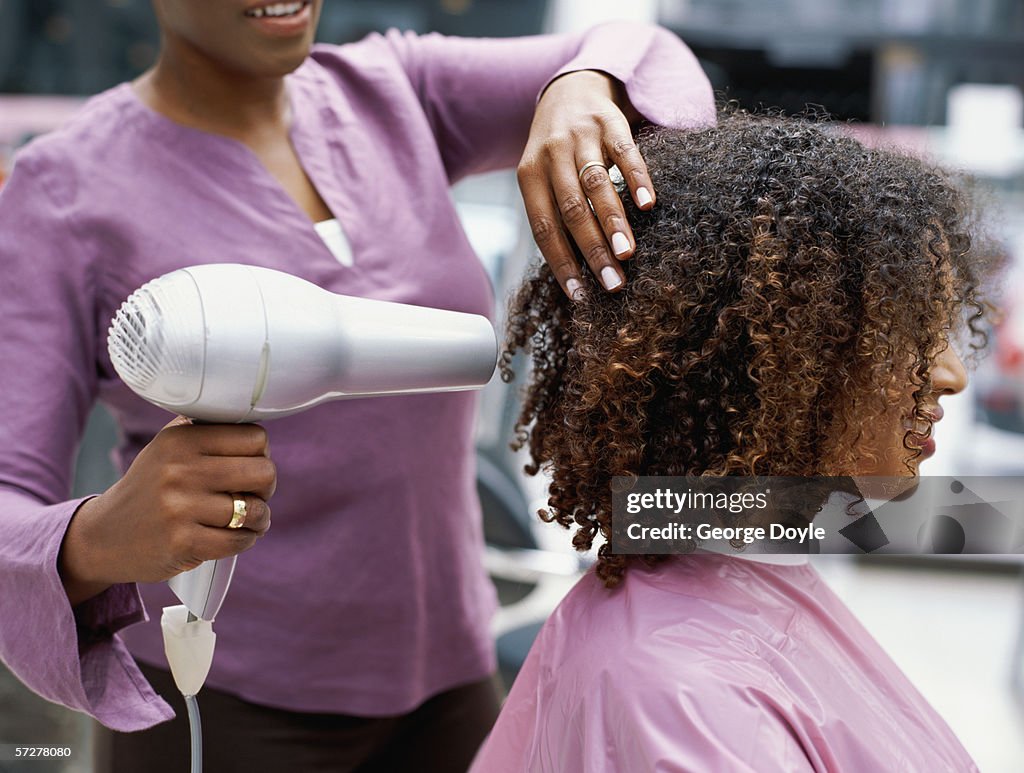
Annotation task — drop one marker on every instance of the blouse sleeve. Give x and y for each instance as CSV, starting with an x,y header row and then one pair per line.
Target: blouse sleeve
x,y
48,383
479,94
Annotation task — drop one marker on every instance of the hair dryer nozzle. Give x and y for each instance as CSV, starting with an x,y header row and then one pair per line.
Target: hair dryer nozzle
x,y
155,345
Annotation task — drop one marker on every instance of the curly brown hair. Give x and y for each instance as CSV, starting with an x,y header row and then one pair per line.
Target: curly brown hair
x,y
788,281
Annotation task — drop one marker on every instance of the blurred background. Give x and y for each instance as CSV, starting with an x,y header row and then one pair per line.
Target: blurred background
x,y
941,77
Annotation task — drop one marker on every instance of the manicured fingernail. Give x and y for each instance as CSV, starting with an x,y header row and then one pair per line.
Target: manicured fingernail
x,y
643,197
610,278
575,289
620,243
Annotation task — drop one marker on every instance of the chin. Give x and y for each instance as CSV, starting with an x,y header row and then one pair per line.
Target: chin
x,y
277,66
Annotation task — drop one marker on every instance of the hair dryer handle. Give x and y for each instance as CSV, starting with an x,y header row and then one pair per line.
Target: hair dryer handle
x,y
203,589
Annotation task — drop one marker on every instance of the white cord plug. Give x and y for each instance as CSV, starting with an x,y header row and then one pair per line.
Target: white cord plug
x,y
189,648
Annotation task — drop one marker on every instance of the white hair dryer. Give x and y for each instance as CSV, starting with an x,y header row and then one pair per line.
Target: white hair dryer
x,y
235,343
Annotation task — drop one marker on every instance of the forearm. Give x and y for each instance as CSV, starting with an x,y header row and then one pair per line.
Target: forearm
x,y
661,80
76,562
479,126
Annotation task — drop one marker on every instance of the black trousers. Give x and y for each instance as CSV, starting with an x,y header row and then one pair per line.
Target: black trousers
x,y
440,736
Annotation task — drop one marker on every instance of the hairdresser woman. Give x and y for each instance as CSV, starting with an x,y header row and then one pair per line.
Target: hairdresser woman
x,y
356,635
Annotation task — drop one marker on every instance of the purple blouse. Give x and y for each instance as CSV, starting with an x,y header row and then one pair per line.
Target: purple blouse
x,y
368,595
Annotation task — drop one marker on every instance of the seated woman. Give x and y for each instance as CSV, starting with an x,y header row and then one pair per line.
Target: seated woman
x,y
791,310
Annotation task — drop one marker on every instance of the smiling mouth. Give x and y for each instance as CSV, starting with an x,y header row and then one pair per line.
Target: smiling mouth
x,y
277,10
922,427
920,431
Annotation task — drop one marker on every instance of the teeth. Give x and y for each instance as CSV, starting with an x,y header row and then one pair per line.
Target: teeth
x,y
278,9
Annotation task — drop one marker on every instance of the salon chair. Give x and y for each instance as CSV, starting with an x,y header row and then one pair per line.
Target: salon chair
x,y
530,580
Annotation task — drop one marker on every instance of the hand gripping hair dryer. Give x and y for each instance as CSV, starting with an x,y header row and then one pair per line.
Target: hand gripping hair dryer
x,y
234,343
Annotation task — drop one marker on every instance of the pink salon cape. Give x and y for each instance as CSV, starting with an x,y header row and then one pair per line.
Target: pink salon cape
x,y
711,664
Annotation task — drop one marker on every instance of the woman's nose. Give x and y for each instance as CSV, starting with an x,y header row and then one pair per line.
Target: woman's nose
x,y
948,373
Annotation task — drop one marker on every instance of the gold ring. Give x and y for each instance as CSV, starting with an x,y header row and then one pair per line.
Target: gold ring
x,y
238,513
587,166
